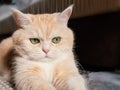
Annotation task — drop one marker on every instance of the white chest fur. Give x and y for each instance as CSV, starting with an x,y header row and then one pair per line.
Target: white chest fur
x,y
46,69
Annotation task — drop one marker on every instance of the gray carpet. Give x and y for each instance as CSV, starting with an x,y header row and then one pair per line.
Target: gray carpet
x,y
103,81
5,85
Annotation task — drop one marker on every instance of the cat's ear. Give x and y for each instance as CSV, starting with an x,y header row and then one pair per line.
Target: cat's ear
x,y
64,16
21,19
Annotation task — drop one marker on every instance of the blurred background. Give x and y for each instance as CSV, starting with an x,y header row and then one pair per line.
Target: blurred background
x,y
96,24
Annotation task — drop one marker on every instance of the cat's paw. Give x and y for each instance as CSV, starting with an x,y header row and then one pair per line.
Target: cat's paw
x,y
48,87
34,85
77,83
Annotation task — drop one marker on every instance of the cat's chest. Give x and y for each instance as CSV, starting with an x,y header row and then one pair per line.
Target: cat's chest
x,y
42,70
47,71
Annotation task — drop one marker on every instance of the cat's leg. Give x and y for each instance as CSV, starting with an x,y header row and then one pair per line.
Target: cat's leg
x,y
33,83
67,77
70,82
76,82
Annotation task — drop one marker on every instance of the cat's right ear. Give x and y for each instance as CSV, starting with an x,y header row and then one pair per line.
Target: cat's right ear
x,y
64,16
21,19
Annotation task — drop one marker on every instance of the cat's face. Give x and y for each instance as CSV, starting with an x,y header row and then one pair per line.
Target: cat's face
x,y
43,37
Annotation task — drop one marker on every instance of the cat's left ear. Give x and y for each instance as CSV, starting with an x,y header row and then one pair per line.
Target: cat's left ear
x,y
64,16
21,19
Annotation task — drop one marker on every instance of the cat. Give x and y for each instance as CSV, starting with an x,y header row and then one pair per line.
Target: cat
x,y
43,58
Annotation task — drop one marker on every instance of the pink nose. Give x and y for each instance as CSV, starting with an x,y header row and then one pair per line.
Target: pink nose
x,y
46,50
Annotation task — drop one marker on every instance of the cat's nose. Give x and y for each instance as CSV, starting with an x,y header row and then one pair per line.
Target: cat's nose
x,y
45,50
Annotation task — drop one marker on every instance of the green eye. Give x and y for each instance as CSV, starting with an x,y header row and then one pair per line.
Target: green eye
x,y
56,40
34,40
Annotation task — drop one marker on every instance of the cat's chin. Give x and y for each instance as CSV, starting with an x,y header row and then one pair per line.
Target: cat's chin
x,y
43,59
46,59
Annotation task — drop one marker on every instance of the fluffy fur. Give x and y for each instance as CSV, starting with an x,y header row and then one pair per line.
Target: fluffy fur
x,y
6,47
34,69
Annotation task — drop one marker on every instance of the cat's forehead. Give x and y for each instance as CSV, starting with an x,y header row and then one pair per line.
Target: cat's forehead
x,y
45,25
42,19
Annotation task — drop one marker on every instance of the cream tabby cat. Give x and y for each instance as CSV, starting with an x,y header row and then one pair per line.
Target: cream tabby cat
x,y
44,59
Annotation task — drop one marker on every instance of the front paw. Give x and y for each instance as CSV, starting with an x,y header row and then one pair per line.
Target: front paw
x,y
34,85
48,87
77,83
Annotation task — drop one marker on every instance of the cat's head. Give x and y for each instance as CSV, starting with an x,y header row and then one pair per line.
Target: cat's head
x,y
43,37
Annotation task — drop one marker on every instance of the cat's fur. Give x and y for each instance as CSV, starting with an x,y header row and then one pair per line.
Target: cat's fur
x,y
6,47
34,68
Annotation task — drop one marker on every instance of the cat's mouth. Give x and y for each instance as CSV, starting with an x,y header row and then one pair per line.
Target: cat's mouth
x,y
46,56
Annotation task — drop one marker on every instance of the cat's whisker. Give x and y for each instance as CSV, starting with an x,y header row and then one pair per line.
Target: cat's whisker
x,y
80,65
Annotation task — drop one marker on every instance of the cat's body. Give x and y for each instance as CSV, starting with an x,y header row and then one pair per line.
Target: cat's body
x,y
62,75
44,59
6,47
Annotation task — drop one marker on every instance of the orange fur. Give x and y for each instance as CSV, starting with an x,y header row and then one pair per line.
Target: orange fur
x,y
6,47
36,70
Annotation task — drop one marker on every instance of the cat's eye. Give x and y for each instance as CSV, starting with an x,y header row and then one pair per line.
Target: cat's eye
x,y
56,40
34,40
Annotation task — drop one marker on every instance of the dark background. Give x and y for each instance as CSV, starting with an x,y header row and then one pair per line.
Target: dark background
x,y
98,41
5,1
